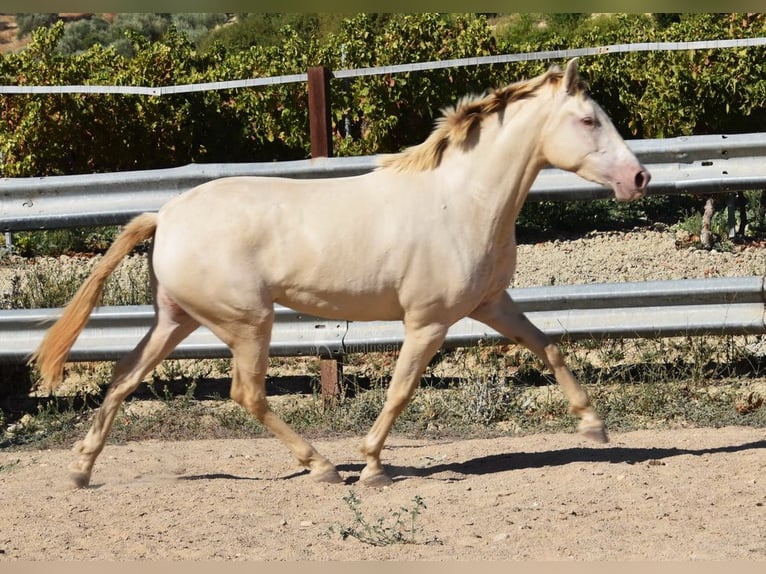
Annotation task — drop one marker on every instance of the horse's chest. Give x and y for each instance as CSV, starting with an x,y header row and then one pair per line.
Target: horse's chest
x,y
498,269
487,274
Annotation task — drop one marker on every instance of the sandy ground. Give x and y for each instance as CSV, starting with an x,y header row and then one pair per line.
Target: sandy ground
x,y
648,495
657,495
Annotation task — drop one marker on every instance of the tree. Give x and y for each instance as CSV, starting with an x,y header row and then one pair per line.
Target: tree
x,y
265,29
27,22
82,34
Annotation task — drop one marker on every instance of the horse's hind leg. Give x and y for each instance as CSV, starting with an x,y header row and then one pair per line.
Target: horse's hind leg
x,y
250,348
502,314
172,325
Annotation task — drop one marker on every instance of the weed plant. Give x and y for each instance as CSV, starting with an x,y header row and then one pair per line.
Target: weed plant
x,y
55,242
398,528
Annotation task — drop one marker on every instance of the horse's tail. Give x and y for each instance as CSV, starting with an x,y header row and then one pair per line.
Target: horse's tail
x,y
54,348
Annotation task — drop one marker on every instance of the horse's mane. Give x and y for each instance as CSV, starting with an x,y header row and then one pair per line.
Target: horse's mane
x,y
457,122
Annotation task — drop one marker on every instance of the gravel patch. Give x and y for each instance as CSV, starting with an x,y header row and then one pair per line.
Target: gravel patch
x,y
639,255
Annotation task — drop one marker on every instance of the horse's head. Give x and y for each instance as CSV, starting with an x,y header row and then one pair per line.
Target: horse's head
x,y
580,137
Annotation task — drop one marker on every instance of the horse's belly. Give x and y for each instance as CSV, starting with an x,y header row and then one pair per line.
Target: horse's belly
x,y
348,306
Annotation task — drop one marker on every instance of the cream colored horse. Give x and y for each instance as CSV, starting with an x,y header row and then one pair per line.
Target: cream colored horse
x,y
427,238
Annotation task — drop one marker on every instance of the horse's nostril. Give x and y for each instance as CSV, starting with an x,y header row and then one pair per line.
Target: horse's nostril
x,y
642,179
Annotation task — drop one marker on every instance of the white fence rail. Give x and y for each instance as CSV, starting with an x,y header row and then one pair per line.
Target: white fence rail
x,y
566,53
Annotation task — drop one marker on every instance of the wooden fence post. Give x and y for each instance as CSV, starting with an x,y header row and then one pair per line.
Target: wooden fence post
x,y
320,128
320,125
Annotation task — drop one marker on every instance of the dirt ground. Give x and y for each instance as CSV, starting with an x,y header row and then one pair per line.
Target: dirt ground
x,y
647,495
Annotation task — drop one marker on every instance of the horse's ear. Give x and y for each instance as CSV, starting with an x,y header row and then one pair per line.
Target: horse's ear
x,y
571,77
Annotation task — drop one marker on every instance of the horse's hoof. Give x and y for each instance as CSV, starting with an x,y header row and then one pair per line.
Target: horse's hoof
x,y
328,475
594,431
79,478
375,480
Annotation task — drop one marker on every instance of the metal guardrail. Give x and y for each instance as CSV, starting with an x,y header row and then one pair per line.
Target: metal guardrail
x,y
693,164
717,306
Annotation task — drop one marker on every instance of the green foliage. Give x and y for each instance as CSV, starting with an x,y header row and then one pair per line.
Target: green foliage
x,y
648,94
689,219
662,94
602,214
54,242
53,282
398,529
652,94
533,28
666,19
194,26
82,34
704,91
85,133
390,112
262,29
52,425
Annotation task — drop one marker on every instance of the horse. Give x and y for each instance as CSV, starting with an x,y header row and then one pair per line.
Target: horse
x,y
426,238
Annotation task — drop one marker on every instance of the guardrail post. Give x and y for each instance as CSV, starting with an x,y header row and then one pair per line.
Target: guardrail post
x,y
320,127
331,374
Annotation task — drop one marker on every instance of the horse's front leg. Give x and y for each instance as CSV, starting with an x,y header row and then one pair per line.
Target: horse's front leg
x,y
503,315
420,345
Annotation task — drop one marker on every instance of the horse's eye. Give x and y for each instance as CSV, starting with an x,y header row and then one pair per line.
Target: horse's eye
x,y
588,121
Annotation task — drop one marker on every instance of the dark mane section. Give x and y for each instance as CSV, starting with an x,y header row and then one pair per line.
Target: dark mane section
x,y
457,123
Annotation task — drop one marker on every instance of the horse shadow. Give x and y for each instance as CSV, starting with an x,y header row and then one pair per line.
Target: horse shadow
x,y
216,476
506,462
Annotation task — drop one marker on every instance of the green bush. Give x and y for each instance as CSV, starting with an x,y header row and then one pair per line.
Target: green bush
x,y
648,94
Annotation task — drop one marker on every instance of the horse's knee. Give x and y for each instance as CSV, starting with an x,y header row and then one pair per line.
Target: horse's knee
x,y
259,408
255,404
554,355
397,398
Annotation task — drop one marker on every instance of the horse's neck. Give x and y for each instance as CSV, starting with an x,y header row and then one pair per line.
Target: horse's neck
x,y
495,176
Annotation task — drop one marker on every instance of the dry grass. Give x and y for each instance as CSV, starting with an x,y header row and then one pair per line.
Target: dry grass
x,y
482,391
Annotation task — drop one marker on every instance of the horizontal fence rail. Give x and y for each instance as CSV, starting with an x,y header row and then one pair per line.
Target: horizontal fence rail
x,y
718,306
720,44
692,164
